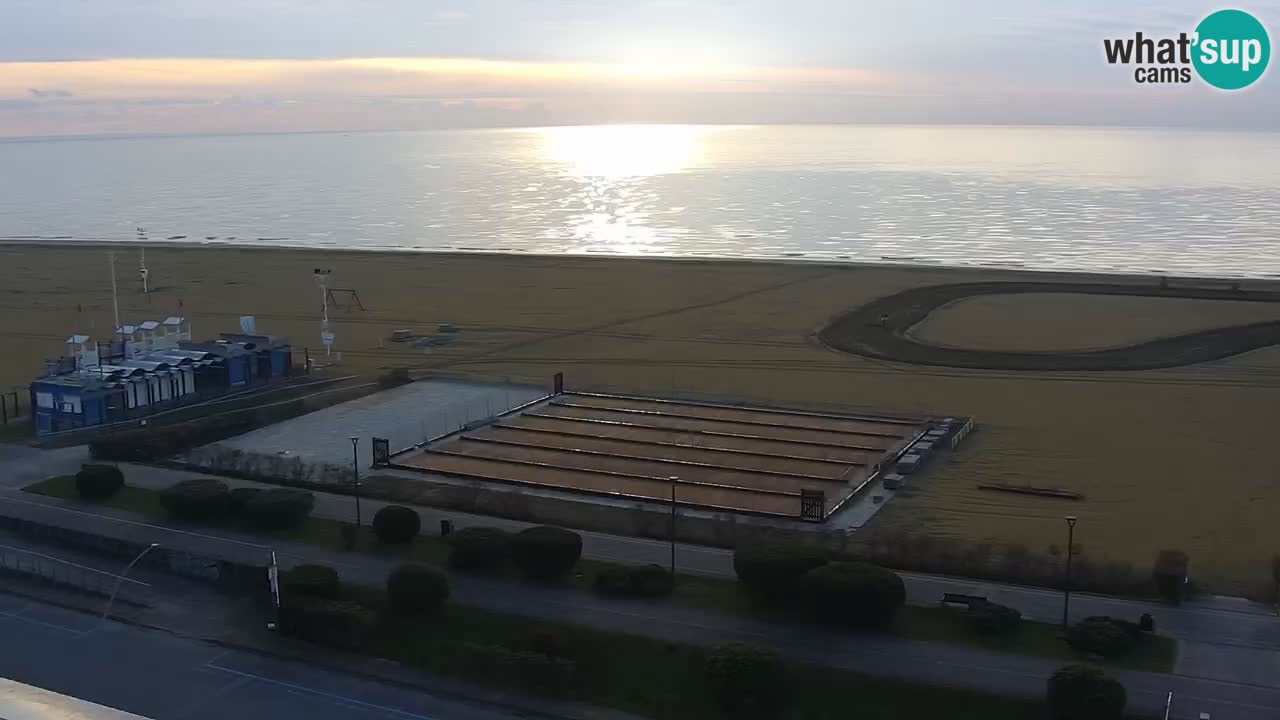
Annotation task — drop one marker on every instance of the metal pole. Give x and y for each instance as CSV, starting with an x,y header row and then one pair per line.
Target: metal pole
x,y
674,480
355,475
1066,586
120,578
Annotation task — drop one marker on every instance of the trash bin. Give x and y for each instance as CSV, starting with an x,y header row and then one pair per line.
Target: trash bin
x,y
446,527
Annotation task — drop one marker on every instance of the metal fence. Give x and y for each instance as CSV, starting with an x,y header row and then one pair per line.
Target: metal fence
x,y
71,575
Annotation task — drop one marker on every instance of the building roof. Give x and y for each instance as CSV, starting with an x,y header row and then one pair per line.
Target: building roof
x,y
149,325
78,339
126,329
173,320
257,341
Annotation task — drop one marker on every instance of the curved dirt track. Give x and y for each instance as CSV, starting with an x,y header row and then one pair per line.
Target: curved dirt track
x,y
860,332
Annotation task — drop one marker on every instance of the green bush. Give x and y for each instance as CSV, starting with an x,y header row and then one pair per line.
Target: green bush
x,y
1081,692
98,482
335,623
239,497
317,581
396,525
545,552
1102,636
197,500
634,581
773,571
278,508
989,618
745,680
533,671
416,589
395,377
480,549
853,593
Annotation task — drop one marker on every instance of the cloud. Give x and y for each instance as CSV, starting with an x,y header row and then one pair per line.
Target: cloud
x,y
49,93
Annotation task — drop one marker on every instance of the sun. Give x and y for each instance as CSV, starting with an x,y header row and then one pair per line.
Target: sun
x,y
617,151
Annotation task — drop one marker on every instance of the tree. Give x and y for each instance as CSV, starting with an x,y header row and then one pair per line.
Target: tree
x,y
1082,692
98,482
197,500
318,581
416,589
745,680
545,552
773,571
396,525
480,549
854,593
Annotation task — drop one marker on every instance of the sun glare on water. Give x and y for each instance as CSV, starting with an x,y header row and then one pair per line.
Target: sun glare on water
x,y
620,151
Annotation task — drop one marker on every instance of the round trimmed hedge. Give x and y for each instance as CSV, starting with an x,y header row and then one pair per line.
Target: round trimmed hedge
x,y
774,570
990,618
318,581
480,549
854,593
1081,692
196,500
396,525
546,552
98,482
416,589
277,508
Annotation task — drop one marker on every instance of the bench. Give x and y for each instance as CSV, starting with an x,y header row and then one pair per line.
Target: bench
x,y
962,599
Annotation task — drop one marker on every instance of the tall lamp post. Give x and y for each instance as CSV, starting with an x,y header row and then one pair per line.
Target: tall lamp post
x,y
674,481
1066,584
355,476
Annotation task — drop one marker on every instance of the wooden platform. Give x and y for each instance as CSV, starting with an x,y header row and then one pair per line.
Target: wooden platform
x,y
754,460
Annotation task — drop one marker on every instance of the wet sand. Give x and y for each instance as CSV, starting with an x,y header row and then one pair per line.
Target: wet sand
x,y
1177,457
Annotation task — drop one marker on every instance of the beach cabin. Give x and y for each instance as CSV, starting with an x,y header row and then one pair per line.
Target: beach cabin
x,y
148,332
272,355
68,401
173,330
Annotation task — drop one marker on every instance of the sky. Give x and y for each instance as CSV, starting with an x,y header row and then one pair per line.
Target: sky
x,y
72,67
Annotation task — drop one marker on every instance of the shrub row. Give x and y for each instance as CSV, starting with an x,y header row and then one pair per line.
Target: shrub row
x,y
635,581
533,671
539,553
1108,636
205,499
312,607
1016,564
1081,692
841,592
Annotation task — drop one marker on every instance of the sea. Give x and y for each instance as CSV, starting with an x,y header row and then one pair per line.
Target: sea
x,y
1143,200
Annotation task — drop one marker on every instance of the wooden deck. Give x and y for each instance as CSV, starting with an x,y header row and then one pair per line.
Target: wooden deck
x,y
743,459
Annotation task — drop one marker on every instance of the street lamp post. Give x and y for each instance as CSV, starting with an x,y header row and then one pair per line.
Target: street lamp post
x,y
120,578
674,480
1066,585
355,476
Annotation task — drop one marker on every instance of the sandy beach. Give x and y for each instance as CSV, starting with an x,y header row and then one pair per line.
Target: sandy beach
x,y
1170,458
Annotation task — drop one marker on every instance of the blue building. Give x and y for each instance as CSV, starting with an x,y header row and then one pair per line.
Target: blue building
x,y
149,368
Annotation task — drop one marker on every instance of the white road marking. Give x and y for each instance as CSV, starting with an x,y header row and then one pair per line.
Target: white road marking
x,y
349,701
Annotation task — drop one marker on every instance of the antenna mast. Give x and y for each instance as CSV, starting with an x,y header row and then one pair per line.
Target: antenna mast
x,y
142,263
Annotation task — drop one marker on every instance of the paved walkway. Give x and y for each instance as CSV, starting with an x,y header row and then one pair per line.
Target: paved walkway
x,y
1220,621
1228,665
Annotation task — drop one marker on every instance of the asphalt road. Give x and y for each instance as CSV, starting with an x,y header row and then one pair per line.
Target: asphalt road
x,y
157,675
880,329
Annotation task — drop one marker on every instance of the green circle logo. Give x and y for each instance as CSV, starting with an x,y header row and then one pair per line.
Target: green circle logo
x,y
1232,49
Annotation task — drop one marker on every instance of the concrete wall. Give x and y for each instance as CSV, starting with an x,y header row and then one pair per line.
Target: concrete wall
x,y
638,520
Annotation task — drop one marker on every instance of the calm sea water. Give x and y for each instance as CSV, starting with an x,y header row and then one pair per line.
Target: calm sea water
x,y
1048,198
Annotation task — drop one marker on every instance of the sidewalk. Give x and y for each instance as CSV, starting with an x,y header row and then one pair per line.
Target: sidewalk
x,y
1218,621
911,661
